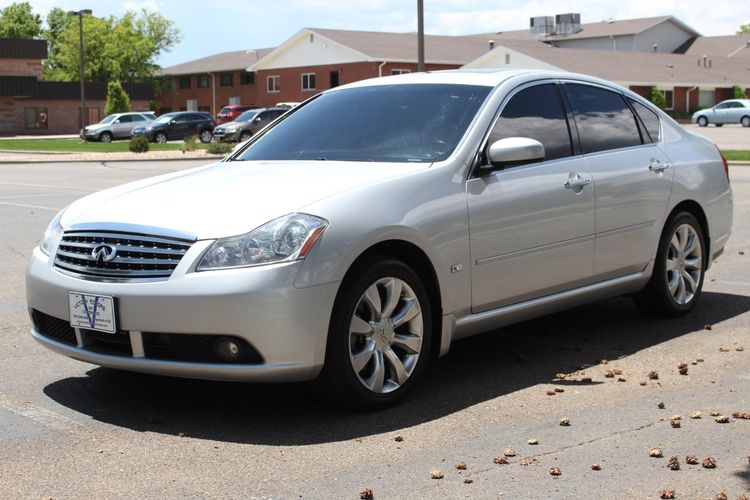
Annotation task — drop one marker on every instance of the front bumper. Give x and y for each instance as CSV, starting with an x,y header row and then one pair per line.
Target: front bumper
x,y
222,135
288,326
89,135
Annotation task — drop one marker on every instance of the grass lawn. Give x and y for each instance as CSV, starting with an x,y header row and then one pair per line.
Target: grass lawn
x,y
737,155
76,146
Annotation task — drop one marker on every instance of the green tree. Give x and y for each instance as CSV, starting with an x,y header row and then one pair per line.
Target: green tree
x,y
658,98
117,99
738,93
18,21
116,48
744,29
57,22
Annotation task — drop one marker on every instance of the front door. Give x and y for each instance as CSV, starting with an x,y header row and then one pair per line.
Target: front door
x,y
531,226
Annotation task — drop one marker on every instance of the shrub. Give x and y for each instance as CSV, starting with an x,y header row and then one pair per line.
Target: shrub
x,y
220,148
117,100
190,143
139,144
658,98
738,93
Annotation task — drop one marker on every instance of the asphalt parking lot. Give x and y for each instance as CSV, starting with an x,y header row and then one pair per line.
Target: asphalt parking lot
x,y
71,430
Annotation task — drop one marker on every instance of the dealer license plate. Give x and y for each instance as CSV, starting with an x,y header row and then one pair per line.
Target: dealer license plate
x,y
92,312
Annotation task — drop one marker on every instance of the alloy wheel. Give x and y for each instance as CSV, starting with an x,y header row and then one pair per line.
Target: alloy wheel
x,y
684,264
161,138
385,335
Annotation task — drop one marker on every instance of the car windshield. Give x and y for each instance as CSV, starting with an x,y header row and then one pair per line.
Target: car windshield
x,y
383,123
106,119
162,119
247,115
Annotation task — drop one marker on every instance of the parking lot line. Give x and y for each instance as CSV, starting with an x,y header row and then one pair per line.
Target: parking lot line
x,y
50,186
25,205
40,415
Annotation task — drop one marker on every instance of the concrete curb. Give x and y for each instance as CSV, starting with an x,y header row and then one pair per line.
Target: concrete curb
x,y
105,160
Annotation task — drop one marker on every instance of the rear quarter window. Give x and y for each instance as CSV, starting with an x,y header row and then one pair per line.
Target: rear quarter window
x,y
603,117
649,119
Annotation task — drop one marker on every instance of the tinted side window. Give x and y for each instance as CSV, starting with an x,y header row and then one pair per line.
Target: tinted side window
x,y
181,118
536,113
137,118
649,118
604,119
124,119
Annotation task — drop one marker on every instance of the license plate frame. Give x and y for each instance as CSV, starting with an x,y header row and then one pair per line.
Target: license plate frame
x,y
90,311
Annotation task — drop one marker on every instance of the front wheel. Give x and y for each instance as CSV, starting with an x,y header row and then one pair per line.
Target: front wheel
x,y
161,138
677,279
703,121
745,122
105,137
379,337
205,136
245,136
719,124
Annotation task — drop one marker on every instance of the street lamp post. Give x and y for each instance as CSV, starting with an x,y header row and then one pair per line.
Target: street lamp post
x,y
420,35
80,14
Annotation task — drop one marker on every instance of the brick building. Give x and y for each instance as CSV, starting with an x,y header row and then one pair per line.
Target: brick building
x,y
29,105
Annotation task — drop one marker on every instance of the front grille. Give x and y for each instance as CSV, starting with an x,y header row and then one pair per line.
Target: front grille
x,y
53,328
195,348
136,256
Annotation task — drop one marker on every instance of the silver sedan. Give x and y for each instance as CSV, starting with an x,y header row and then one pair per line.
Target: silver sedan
x,y
358,236
731,111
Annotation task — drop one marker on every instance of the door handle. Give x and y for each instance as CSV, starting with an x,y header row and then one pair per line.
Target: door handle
x,y
577,182
657,166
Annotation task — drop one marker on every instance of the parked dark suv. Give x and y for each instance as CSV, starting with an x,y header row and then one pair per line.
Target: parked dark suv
x,y
230,113
179,125
247,124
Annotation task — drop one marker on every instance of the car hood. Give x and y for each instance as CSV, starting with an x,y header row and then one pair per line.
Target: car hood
x,y
224,199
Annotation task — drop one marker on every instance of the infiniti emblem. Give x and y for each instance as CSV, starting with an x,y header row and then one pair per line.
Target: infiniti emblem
x,y
383,333
104,253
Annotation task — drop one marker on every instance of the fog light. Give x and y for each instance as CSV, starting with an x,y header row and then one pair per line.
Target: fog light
x,y
228,349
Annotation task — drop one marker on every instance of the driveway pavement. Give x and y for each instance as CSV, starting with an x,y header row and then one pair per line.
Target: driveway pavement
x,y
72,430
734,137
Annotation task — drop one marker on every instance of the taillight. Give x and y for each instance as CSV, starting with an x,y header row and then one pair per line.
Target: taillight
x,y
726,165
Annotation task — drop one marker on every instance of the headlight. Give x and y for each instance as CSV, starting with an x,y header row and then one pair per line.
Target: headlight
x,y
284,239
52,234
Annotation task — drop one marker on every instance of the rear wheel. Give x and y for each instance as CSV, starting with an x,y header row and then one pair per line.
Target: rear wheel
x,y
379,337
160,137
719,124
745,121
105,137
677,279
703,121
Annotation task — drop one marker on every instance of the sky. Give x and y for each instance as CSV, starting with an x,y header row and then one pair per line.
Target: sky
x,y
209,27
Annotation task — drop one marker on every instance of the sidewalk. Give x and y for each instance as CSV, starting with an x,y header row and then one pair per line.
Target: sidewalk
x,y
40,137
50,157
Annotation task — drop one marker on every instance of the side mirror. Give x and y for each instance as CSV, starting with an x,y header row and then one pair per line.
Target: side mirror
x,y
257,120
514,151
172,122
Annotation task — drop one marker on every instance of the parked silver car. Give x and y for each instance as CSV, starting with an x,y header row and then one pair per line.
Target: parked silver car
x,y
364,231
115,126
731,111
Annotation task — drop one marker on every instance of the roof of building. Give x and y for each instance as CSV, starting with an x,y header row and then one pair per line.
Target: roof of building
x,y
402,47
226,61
632,67
19,48
620,27
726,46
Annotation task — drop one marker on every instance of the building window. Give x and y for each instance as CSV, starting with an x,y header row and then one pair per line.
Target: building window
x,y
668,98
706,98
507,58
192,105
400,71
308,81
184,82
226,80
273,83
202,82
234,101
247,78
35,118
334,79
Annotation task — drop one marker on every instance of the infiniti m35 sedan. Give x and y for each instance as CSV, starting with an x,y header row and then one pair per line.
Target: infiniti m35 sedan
x,y
352,240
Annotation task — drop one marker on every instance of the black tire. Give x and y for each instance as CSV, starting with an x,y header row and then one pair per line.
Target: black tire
x,y
703,121
244,136
745,121
719,124
339,383
657,299
105,137
205,136
160,137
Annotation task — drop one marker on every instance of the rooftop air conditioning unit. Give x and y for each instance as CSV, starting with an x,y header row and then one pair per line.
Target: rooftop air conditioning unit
x,y
567,24
541,26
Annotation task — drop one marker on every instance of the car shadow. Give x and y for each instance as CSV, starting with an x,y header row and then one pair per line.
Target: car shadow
x,y
476,370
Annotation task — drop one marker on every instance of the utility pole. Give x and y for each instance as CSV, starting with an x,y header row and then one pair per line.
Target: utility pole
x,y
80,14
420,35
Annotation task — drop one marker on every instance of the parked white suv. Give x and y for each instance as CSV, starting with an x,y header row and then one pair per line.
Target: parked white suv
x,y
358,235
116,126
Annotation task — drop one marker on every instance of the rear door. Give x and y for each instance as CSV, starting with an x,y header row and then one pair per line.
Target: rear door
x,y
530,235
135,121
121,126
633,177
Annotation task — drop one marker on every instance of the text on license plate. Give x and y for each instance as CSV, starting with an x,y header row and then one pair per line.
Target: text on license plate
x,y
92,312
